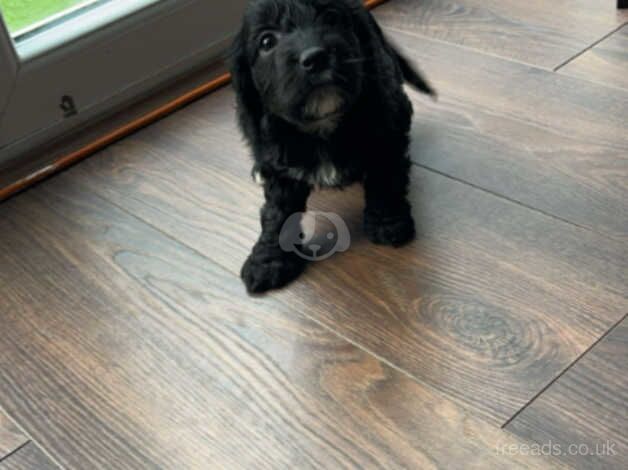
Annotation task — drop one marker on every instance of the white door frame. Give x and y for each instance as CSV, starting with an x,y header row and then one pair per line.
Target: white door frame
x,y
8,66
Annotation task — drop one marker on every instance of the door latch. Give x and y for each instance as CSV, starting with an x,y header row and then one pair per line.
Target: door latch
x,y
68,106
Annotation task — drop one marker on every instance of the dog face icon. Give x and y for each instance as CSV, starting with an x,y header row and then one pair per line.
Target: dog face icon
x,y
314,236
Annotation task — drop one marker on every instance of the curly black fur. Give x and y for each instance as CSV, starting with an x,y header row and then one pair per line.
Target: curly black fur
x,y
319,88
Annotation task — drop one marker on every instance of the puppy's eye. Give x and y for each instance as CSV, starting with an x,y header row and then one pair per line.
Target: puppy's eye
x,y
267,42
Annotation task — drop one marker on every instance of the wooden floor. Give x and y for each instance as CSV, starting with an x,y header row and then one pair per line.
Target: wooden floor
x,y
498,338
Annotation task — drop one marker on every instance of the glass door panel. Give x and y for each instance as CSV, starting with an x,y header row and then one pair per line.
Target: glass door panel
x,y
24,16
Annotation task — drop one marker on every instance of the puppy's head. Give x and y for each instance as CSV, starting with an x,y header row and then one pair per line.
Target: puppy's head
x,y
300,60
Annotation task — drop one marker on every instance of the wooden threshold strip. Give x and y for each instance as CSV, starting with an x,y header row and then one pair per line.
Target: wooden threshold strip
x,y
70,159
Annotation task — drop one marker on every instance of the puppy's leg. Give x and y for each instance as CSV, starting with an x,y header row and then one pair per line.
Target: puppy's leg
x,y
387,216
268,266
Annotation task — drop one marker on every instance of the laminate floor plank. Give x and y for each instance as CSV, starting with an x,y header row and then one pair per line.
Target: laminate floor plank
x,y
29,457
11,438
496,297
538,32
606,63
586,408
130,350
551,142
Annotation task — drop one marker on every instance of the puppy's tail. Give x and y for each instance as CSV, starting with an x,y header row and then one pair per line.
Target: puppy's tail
x,y
408,72
413,77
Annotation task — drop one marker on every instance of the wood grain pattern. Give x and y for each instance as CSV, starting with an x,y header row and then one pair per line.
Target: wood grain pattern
x,y
497,297
130,350
29,457
587,406
550,142
11,438
606,63
537,32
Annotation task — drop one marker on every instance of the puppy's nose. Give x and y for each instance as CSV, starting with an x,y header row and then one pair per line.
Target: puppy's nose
x,y
314,59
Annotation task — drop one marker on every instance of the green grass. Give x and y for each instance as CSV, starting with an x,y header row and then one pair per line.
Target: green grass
x,y
19,14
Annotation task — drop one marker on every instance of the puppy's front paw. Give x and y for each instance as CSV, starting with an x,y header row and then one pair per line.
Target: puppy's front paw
x,y
270,269
395,231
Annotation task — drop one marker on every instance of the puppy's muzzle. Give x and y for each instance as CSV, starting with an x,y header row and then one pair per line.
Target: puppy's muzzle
x,y
323,102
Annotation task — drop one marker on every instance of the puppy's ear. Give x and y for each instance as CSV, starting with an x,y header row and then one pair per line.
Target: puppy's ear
x,y
386,54
249,102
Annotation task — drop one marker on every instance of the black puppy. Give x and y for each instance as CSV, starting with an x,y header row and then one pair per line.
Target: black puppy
x,y
320,101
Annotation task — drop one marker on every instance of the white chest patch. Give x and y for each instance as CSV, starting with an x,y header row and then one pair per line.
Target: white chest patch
x,y
325,175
